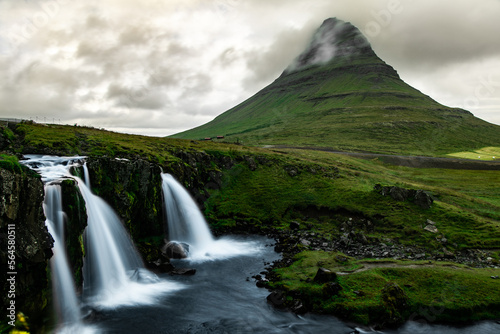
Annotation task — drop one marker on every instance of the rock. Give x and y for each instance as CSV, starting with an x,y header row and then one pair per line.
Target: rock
x,y
332,288
175,250
21,200
277,299
251,162
447,253
399,194
324,275
291,170
262,283
431,228
395,302
423,199
183,271
305,242
298,307
419,197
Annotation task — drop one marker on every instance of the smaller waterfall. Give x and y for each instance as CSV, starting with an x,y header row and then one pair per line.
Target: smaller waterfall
x,y
187,224
185,221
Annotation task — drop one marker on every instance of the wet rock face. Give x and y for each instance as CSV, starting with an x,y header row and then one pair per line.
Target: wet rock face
x,y
76,221
133,189
21,198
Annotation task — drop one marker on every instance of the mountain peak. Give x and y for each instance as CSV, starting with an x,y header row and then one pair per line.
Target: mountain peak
x,y
334,38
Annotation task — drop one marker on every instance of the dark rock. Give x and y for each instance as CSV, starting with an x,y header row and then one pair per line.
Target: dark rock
x,y
395,303
262,283
298,307
332,289
324,275
399,194
420,197
175,250
291,170
277,299
21,198
183,271
423,199
251,162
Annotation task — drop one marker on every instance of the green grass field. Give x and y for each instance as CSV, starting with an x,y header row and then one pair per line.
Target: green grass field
x,y
485,153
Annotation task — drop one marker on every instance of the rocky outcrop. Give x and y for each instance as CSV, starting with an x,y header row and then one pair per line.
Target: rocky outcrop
x,y
133,189
76,221
395,305
420,197
22,227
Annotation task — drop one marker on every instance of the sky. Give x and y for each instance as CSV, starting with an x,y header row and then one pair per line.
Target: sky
x,y
159,67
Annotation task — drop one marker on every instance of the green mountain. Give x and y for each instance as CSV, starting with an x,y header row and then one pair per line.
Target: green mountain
x,y
339,94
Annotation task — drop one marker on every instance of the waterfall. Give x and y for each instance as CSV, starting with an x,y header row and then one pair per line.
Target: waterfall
x,y
63,287
114,274
185,221
113,271
111,257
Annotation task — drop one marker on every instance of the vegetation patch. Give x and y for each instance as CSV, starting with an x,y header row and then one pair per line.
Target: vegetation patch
x,y
433,291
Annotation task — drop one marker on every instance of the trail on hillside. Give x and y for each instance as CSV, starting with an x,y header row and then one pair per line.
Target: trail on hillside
x,y
408,160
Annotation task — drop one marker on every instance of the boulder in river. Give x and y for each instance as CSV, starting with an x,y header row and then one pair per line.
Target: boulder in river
x,y
175,250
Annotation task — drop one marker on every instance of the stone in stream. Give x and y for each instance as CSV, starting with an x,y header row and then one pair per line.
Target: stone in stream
x,y
175,250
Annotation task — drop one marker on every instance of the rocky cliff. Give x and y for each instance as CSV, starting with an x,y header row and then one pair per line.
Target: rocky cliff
x,y
22,228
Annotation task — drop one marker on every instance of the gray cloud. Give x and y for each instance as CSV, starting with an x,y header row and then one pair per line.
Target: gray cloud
x,y
176,64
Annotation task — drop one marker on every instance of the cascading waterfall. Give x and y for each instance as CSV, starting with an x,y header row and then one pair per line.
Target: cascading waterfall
x,y
53,169
185,221
113,270
67,304
111,258
186,224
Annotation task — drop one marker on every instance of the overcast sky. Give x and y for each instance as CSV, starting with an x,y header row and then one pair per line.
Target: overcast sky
x,y
158,67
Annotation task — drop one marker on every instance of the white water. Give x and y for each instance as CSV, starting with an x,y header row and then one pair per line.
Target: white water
x,y
113,270
114,274
53,169
63,287
185,223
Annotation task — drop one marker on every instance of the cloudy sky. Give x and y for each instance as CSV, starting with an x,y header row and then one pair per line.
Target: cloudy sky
x,y
158,67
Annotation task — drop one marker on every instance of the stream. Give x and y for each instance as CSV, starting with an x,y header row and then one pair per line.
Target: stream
x,y
223,298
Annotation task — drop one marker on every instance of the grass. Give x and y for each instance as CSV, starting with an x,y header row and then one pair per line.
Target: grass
x,y
485,153
466,209
441,292
321,190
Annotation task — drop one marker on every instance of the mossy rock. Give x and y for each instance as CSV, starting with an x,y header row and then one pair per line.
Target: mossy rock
x,y
395,304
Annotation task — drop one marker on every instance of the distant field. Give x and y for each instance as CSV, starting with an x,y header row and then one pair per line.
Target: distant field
x,y
485,153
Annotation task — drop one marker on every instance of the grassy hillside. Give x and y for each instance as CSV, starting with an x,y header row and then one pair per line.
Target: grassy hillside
x,y
355,102
330,196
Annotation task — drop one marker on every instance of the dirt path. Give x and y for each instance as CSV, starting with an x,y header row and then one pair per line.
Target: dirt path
x,y
410,161
387,264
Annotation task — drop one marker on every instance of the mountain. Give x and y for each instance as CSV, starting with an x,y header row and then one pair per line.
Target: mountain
x,y
338,93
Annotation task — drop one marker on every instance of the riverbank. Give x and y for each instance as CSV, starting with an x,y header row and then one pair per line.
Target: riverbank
x,y
377,288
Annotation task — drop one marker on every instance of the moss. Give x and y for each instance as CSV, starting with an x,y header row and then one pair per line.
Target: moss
x,y
393,291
